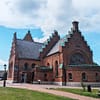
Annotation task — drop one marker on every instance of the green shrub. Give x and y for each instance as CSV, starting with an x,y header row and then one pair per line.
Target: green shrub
x,y
83,86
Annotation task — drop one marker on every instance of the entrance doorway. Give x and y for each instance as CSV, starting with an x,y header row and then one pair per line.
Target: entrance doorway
x,y
32,77
24,78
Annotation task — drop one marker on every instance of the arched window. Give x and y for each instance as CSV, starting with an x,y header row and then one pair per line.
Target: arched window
x,y
97,77
56,67
25,66
70,76
48,64
77,59
33,65
84,77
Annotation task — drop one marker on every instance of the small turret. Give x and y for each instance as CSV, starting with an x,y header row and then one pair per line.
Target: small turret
x,y
28,37
15,36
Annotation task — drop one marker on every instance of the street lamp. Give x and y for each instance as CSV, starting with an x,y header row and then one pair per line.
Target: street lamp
x,y
5,76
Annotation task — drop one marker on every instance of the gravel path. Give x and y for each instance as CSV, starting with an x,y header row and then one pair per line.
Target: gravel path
x,y
48,89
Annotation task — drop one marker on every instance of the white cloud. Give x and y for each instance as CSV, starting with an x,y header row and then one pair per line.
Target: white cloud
x,y
50,14
41,40
86,4
87,12
2,62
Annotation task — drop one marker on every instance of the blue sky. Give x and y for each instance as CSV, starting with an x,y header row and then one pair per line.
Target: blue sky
x,y
44,16
6,38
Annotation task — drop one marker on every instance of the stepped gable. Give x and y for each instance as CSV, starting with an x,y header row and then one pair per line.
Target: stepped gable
x,y
13,47
75,27
61,43
28,37
27,49
65,40
75,30
86,43
48,45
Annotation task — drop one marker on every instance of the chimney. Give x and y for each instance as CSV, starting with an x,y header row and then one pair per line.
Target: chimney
x,y
55,32
75,26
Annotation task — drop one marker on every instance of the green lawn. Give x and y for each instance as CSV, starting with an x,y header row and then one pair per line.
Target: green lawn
x,y
81,92
23,94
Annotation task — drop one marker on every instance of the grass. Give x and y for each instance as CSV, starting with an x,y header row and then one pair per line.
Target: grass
x,y
23,94
81,92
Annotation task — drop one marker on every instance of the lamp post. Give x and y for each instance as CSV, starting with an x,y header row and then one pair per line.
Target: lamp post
x,y
5,76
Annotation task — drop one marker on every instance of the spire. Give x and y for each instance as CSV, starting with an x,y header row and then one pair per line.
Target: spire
x,y
28,32
28,37
75,26
15,37
55,32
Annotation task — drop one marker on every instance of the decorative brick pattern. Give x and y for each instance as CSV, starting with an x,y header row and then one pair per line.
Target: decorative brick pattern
x,y
53,60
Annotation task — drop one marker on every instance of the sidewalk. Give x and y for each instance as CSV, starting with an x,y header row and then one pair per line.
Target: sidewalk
x,y
46,89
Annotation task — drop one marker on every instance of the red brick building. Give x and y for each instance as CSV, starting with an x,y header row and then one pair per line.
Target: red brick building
x,y
67,60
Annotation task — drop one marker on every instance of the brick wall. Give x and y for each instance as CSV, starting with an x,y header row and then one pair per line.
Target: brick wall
x,y
77,74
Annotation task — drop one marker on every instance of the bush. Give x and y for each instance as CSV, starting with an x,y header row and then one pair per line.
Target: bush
x,y
83,86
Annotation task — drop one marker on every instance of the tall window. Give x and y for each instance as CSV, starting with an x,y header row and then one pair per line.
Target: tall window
x,y
25,66
32,76
97,77
33,65
48,64
70,76
45,77
77,59
56,67
84,77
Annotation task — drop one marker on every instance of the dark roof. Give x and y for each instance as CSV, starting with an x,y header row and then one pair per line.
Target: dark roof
x,y
31,50
28,50
55,48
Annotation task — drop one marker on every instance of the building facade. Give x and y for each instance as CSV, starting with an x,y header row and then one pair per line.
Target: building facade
x,y
63,61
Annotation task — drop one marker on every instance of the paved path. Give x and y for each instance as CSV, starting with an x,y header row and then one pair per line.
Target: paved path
x,y
48,89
